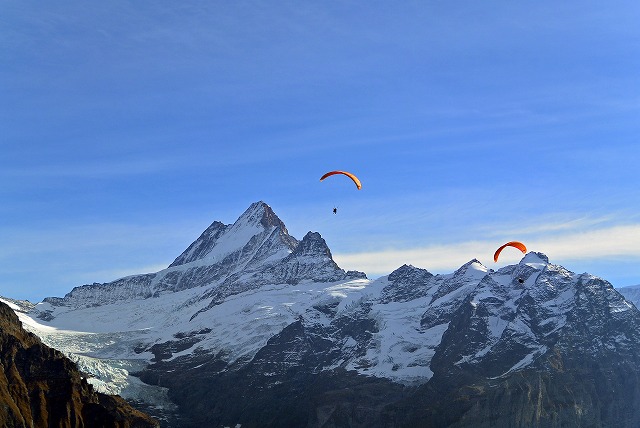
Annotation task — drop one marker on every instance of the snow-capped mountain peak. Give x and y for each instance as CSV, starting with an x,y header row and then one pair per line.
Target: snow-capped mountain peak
x,y
220,240
533,259
225,260
202,246
249,308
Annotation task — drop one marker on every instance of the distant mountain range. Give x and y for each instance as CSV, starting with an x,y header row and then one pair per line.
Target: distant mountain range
x,y
631,293
250,326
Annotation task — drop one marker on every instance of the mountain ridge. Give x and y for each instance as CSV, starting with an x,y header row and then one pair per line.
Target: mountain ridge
x,y
257,310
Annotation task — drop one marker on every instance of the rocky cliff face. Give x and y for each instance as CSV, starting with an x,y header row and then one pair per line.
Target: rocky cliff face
x,y
251,326
39,387
310,261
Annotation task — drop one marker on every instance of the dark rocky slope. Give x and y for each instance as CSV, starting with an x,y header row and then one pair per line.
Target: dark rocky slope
x,y
40,387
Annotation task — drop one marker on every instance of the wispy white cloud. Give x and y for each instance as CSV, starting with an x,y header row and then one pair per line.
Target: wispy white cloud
x,y
608,242
556,223
436,258
614,241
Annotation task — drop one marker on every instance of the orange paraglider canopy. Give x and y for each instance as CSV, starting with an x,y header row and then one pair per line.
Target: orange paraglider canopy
x,y
348,174
519,245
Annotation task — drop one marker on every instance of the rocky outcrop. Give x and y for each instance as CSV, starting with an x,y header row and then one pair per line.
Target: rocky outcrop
x,y
311,260
40,387
406,283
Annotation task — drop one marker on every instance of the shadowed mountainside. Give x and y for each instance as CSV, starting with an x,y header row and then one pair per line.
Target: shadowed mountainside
x,y
40,387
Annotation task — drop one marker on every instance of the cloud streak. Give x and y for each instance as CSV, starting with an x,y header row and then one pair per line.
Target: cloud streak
x,y
609,242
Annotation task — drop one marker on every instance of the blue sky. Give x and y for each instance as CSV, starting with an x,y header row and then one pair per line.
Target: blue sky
x,y
126,128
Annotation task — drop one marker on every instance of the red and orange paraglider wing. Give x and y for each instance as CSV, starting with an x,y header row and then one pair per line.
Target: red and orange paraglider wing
x,y
348,174
519,245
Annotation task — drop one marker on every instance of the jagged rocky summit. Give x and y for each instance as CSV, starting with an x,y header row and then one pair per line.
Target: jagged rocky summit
x,y
250,326
40,387
255,250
